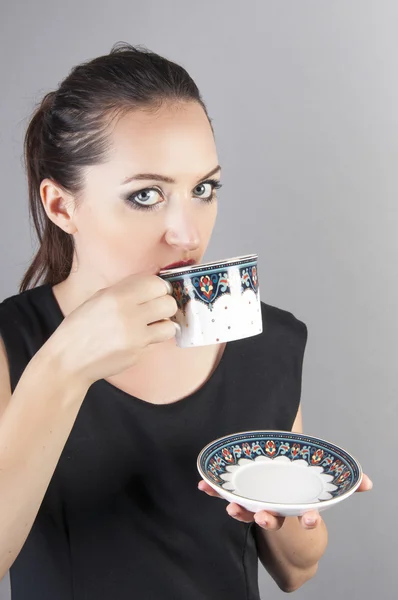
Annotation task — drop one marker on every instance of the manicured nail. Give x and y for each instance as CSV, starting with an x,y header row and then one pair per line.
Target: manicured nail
x,y
168,285
177,326
261,523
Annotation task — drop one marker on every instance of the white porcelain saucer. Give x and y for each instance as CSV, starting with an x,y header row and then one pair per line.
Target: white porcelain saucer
x,y
284,473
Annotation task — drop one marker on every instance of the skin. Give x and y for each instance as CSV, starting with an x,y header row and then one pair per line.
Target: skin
x,y
113,241
289,547
311,519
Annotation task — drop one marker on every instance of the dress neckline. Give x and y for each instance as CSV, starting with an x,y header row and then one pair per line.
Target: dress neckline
x,y
213,379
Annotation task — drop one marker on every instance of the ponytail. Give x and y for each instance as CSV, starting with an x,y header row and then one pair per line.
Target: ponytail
x,y
69,131
53,260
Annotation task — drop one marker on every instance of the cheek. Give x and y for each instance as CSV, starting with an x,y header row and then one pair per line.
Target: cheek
x,y
115,246
208,220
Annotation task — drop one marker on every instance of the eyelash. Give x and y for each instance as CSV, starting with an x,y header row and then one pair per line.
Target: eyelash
x,y
131,203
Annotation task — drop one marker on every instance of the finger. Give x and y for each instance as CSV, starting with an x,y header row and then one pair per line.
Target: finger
x,y
146,287
267,521
158,309
239,513
169,287
162,331
366,484
310,520
205,487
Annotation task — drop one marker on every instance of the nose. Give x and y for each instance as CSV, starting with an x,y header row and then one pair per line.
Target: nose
x,y
181,230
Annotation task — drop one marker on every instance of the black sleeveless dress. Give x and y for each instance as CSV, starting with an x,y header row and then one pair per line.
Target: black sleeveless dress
x,y
122,518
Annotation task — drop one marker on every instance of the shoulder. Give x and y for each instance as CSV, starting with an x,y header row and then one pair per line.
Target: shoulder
x,y
15,315
280,345
22,304
11,308
19,298
283,325
22,329
22,318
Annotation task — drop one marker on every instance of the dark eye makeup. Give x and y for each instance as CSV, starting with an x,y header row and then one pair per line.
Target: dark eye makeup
x,y
136,203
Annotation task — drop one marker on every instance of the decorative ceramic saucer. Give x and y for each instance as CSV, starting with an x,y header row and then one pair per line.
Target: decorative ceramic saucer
x,y
282,472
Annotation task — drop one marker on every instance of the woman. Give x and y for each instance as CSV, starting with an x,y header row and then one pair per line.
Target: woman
x,y
102,414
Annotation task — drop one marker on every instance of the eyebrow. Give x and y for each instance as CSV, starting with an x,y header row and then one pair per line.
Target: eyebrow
x,y
164,178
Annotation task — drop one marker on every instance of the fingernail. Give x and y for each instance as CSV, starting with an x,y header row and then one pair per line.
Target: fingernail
x,y
177,326
309,521
169,286
263,524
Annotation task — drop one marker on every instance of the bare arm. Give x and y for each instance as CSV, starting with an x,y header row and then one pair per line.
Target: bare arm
x,y
291,555
103,336
35,423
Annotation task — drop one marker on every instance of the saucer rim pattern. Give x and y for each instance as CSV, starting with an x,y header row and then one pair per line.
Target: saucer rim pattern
x,y
216,445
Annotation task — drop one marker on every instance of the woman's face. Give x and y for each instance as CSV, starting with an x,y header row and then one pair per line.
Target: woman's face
x,y
165,213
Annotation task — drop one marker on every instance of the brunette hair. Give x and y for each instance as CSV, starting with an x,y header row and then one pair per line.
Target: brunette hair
x,y
68,131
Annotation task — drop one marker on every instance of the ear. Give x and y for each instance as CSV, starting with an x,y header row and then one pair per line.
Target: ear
x,y
59,205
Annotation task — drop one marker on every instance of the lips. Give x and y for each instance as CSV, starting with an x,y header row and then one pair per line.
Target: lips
x,y
177,265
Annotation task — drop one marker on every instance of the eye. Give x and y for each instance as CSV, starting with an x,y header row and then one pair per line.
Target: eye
x,y
148,196
206,189
145,197
151,198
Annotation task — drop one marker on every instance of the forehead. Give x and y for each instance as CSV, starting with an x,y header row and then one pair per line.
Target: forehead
x,y
176,140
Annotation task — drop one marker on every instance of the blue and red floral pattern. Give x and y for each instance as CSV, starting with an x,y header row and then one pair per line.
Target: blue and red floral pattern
x,y
333,460
207,287
249,279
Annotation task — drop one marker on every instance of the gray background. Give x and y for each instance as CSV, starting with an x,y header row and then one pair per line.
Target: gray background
x,y
304,97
